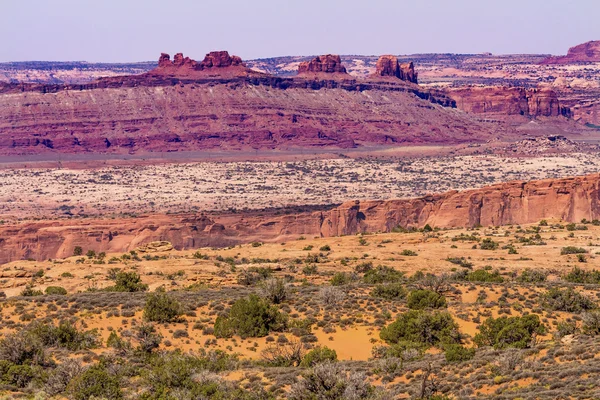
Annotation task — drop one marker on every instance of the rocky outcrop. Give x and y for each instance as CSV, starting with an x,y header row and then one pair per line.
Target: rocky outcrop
x,y
388,66
509,101
583,53
326,64
569,199
219,62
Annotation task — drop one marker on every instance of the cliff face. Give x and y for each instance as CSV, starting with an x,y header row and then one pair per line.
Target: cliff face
x,y
326,64
586,52
388,66
184,105
569,199
509,101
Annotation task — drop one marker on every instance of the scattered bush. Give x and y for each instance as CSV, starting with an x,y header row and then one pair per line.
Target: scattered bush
x,y
481,275
421,299
275,290
160,307
251,317
56,290
572,250
318,355
577,275
389,291
340,279
488,244
95,382
382,274
568,300
504,332
532,276
329,381
591,323
331,296
128,282
427,328
456,353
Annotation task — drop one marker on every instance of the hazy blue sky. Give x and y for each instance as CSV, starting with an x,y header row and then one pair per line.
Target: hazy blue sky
x,y
136,30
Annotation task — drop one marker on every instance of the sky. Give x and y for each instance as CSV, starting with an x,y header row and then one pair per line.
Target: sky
x,y
139,30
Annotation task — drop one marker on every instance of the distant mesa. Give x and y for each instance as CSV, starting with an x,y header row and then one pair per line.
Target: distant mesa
x,y
212,61
540,102
388,65
586,52
327,64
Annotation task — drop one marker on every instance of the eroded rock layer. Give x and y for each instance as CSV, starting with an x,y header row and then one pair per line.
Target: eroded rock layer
x,y
183,105
509,101
569,199
388,66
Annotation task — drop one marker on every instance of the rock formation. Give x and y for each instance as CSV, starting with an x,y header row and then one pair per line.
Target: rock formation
x,y
327,64
509,101
388,66
583,53
187,106
184,66
569,199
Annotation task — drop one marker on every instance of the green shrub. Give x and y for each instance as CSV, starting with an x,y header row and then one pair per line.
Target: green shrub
x,y
456,353
96,382
389,291
65,335
409,253
422,327
56,290
482,275
577,275
128,282
325,248
340,279
421,299
382,274
488,244
318,355
77,251
572,250
567,300
22,375
505,332
591,323
22,348
460,261
251,317
532,276
161,307
29,291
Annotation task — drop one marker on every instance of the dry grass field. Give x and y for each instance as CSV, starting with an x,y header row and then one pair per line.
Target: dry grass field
x,y
505,312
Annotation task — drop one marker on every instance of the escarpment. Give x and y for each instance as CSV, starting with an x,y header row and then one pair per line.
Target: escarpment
x,y
218,103
569,199
509,101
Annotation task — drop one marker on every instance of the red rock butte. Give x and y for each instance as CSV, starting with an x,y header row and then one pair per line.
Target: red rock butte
x,y
583,53
388,65
326,64
215,62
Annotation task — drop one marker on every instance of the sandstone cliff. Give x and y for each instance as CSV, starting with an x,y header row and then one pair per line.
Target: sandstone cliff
x,y
183,105
326,64
583,53
388,66
569,199
509,101
216,63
